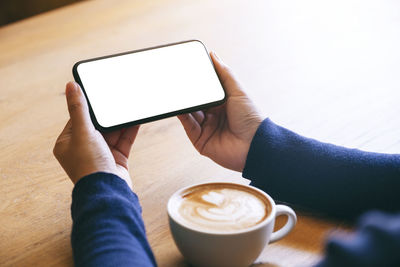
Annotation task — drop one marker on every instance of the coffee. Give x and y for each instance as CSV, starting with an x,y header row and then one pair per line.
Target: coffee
x,y
220,207
225,224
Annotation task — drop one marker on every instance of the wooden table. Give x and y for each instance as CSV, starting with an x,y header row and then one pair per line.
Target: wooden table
x,y
326,70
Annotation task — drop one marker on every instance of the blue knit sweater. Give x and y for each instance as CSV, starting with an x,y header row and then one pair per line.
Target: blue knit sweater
x,y
346,183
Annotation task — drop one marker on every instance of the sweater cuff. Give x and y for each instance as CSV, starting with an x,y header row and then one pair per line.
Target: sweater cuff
x,y
97,184
258,150
89,182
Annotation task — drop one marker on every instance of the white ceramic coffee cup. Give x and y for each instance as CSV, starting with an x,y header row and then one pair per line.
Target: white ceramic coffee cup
x,y
239,248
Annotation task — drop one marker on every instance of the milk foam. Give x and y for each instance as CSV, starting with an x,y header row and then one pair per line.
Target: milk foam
x,y
221,208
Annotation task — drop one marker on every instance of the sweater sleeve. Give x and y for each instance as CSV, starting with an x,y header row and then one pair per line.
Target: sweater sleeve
x,y
327,178
108,229
376,242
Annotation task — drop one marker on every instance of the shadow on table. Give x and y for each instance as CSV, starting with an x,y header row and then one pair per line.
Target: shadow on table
x,y
182,263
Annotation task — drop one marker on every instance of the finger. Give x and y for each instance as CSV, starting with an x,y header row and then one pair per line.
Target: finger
x,y
64,135
77,107
198,116
191,126
126,140
229,82
65,132
119,158
67,128
209,129
112,137
217,110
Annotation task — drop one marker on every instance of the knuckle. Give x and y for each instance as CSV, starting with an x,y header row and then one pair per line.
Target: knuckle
x,y
185,117
75,106
56,151
127,139
193,128
200,147
59,148
202,151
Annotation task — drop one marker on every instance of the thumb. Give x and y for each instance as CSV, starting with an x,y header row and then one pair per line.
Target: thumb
x,y
77,107
228,80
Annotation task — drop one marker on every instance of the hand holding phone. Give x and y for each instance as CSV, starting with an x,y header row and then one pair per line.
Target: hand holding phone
x,y
149,84
224,133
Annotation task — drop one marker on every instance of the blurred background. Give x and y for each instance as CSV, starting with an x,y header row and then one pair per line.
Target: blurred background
x,y
14,10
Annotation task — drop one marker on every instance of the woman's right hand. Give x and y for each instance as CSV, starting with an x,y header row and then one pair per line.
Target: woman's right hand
x,y
224,133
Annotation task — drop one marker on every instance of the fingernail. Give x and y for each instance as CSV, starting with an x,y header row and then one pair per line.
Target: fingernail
x,y
216,56
71,88
75,86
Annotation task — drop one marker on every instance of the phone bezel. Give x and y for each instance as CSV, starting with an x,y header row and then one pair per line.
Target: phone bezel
x,y
99,127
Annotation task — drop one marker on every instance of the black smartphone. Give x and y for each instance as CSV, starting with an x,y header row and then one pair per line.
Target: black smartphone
x,y
149,84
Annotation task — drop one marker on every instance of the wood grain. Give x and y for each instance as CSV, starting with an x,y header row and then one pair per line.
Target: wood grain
x,y
326,70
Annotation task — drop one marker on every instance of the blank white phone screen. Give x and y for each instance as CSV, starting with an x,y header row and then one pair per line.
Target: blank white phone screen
x,y
140,85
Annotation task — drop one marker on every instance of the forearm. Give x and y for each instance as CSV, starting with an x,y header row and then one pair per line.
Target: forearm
x,y
328,178
107,225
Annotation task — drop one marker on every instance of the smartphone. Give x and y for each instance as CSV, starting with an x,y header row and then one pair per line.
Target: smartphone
x,y
149,84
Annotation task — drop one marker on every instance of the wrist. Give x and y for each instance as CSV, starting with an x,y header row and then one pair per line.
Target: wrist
x,y
95,183
253,126
87,170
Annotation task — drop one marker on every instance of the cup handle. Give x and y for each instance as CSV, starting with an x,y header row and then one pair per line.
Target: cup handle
x,y
288,227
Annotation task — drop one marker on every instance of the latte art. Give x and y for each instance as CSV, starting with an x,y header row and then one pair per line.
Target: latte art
x,y
222,208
